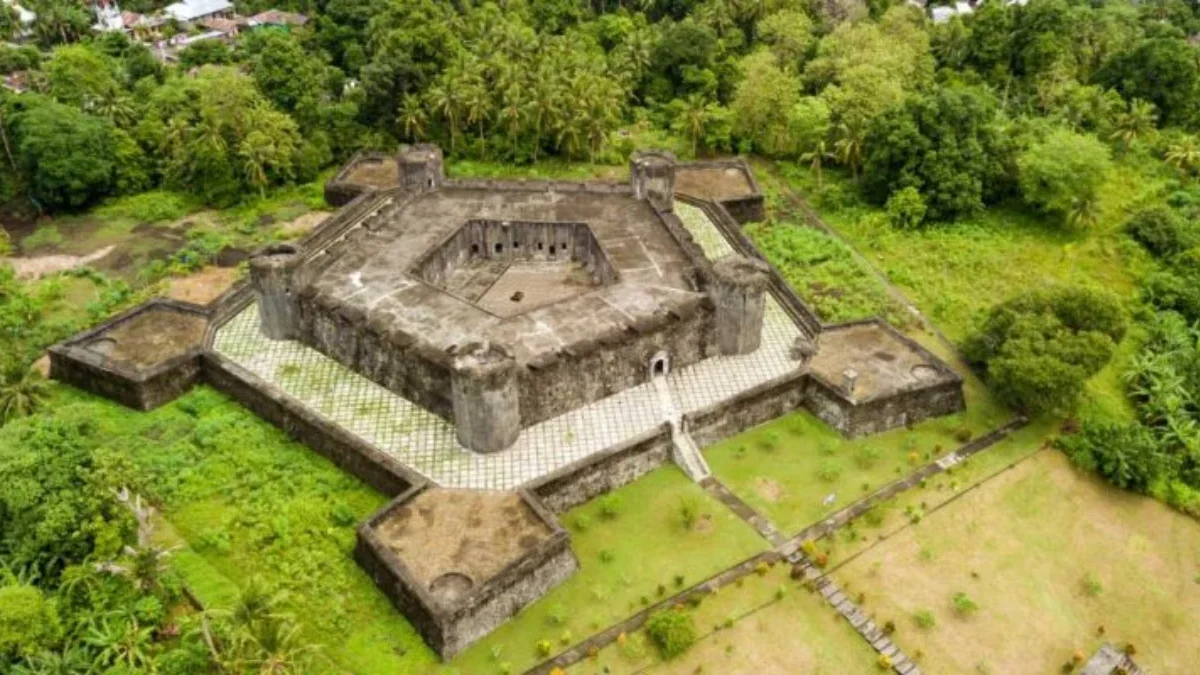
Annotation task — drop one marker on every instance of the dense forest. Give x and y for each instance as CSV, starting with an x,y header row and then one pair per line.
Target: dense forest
x,y
1026,105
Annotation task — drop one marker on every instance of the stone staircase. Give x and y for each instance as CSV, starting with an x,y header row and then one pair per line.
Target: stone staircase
x,y
866,627
684,451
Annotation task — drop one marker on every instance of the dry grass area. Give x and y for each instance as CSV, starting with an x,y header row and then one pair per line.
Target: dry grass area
x,y
380,174
151,337
204,286
304,224
1049,555
475,533
713,183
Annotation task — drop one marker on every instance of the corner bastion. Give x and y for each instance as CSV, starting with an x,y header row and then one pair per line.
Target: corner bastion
x,y
512,349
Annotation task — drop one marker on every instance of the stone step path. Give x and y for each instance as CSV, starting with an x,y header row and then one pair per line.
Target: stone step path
x,y
858,619
753,518
684,450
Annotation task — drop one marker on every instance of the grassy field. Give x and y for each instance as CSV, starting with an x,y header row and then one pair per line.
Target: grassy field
x,y
786,467
625,563
241,501
764,624
1049,556
955,271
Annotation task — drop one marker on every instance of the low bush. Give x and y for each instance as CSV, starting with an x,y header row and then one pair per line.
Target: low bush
x,y
925,619
964,606
672,631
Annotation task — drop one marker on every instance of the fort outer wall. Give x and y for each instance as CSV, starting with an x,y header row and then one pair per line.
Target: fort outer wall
x,y
489,606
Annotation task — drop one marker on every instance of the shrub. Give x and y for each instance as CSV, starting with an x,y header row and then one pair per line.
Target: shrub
x,y
925,619
557,615
6,246
867,456
1039,349
149,207
46,236
28,622
544,648
582,522
829,471
689,511
1063,172
963,604
607,556
906,208
1126,455
1090,585
672,631
1162,231
610,506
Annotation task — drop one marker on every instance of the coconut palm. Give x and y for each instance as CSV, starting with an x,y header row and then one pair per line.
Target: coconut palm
x,y
1184,154
1135,123
815,158
849,146
412,117
22,393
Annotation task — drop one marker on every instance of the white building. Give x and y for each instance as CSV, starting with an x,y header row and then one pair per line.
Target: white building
x,y
188,11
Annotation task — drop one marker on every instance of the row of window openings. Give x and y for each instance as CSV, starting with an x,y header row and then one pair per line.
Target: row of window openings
x,y
516,244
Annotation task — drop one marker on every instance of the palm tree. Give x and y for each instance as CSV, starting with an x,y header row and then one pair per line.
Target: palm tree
x,y
478,109
444,99
412,117
849,147
815,158
1134,123
1184,154
257,151
512,114
1084,213
121,643
570,133
693,118
22,393
543,103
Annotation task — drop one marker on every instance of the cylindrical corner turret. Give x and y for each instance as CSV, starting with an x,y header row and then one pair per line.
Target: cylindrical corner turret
x,y
421,166
487,413
652,175
273,272
739,293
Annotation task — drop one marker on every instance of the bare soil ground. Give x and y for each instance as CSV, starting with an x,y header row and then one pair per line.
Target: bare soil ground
x,y
303,224
1050,555
151,337
204,286
382,174
475,533
37,267
713,183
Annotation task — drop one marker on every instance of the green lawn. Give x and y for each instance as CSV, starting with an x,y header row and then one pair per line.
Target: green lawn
x,y
625,563
786,467
765,624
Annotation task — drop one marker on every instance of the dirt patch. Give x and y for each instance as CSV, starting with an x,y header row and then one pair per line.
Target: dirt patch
x,y
301,226
768,489
472,533
42,365
381,173
151,337
713,183
704,524
45,265
204,286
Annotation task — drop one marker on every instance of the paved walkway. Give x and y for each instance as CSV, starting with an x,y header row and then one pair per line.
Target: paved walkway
x,y
426,443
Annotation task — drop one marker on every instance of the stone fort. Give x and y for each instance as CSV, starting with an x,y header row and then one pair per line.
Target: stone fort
x,y
492,353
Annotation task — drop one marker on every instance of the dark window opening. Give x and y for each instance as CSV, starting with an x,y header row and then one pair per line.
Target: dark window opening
x,y
474,249
660,367
516,244
551,249
540,245
499,247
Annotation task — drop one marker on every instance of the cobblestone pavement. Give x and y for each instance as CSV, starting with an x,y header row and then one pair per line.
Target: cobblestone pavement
x,y
426,443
